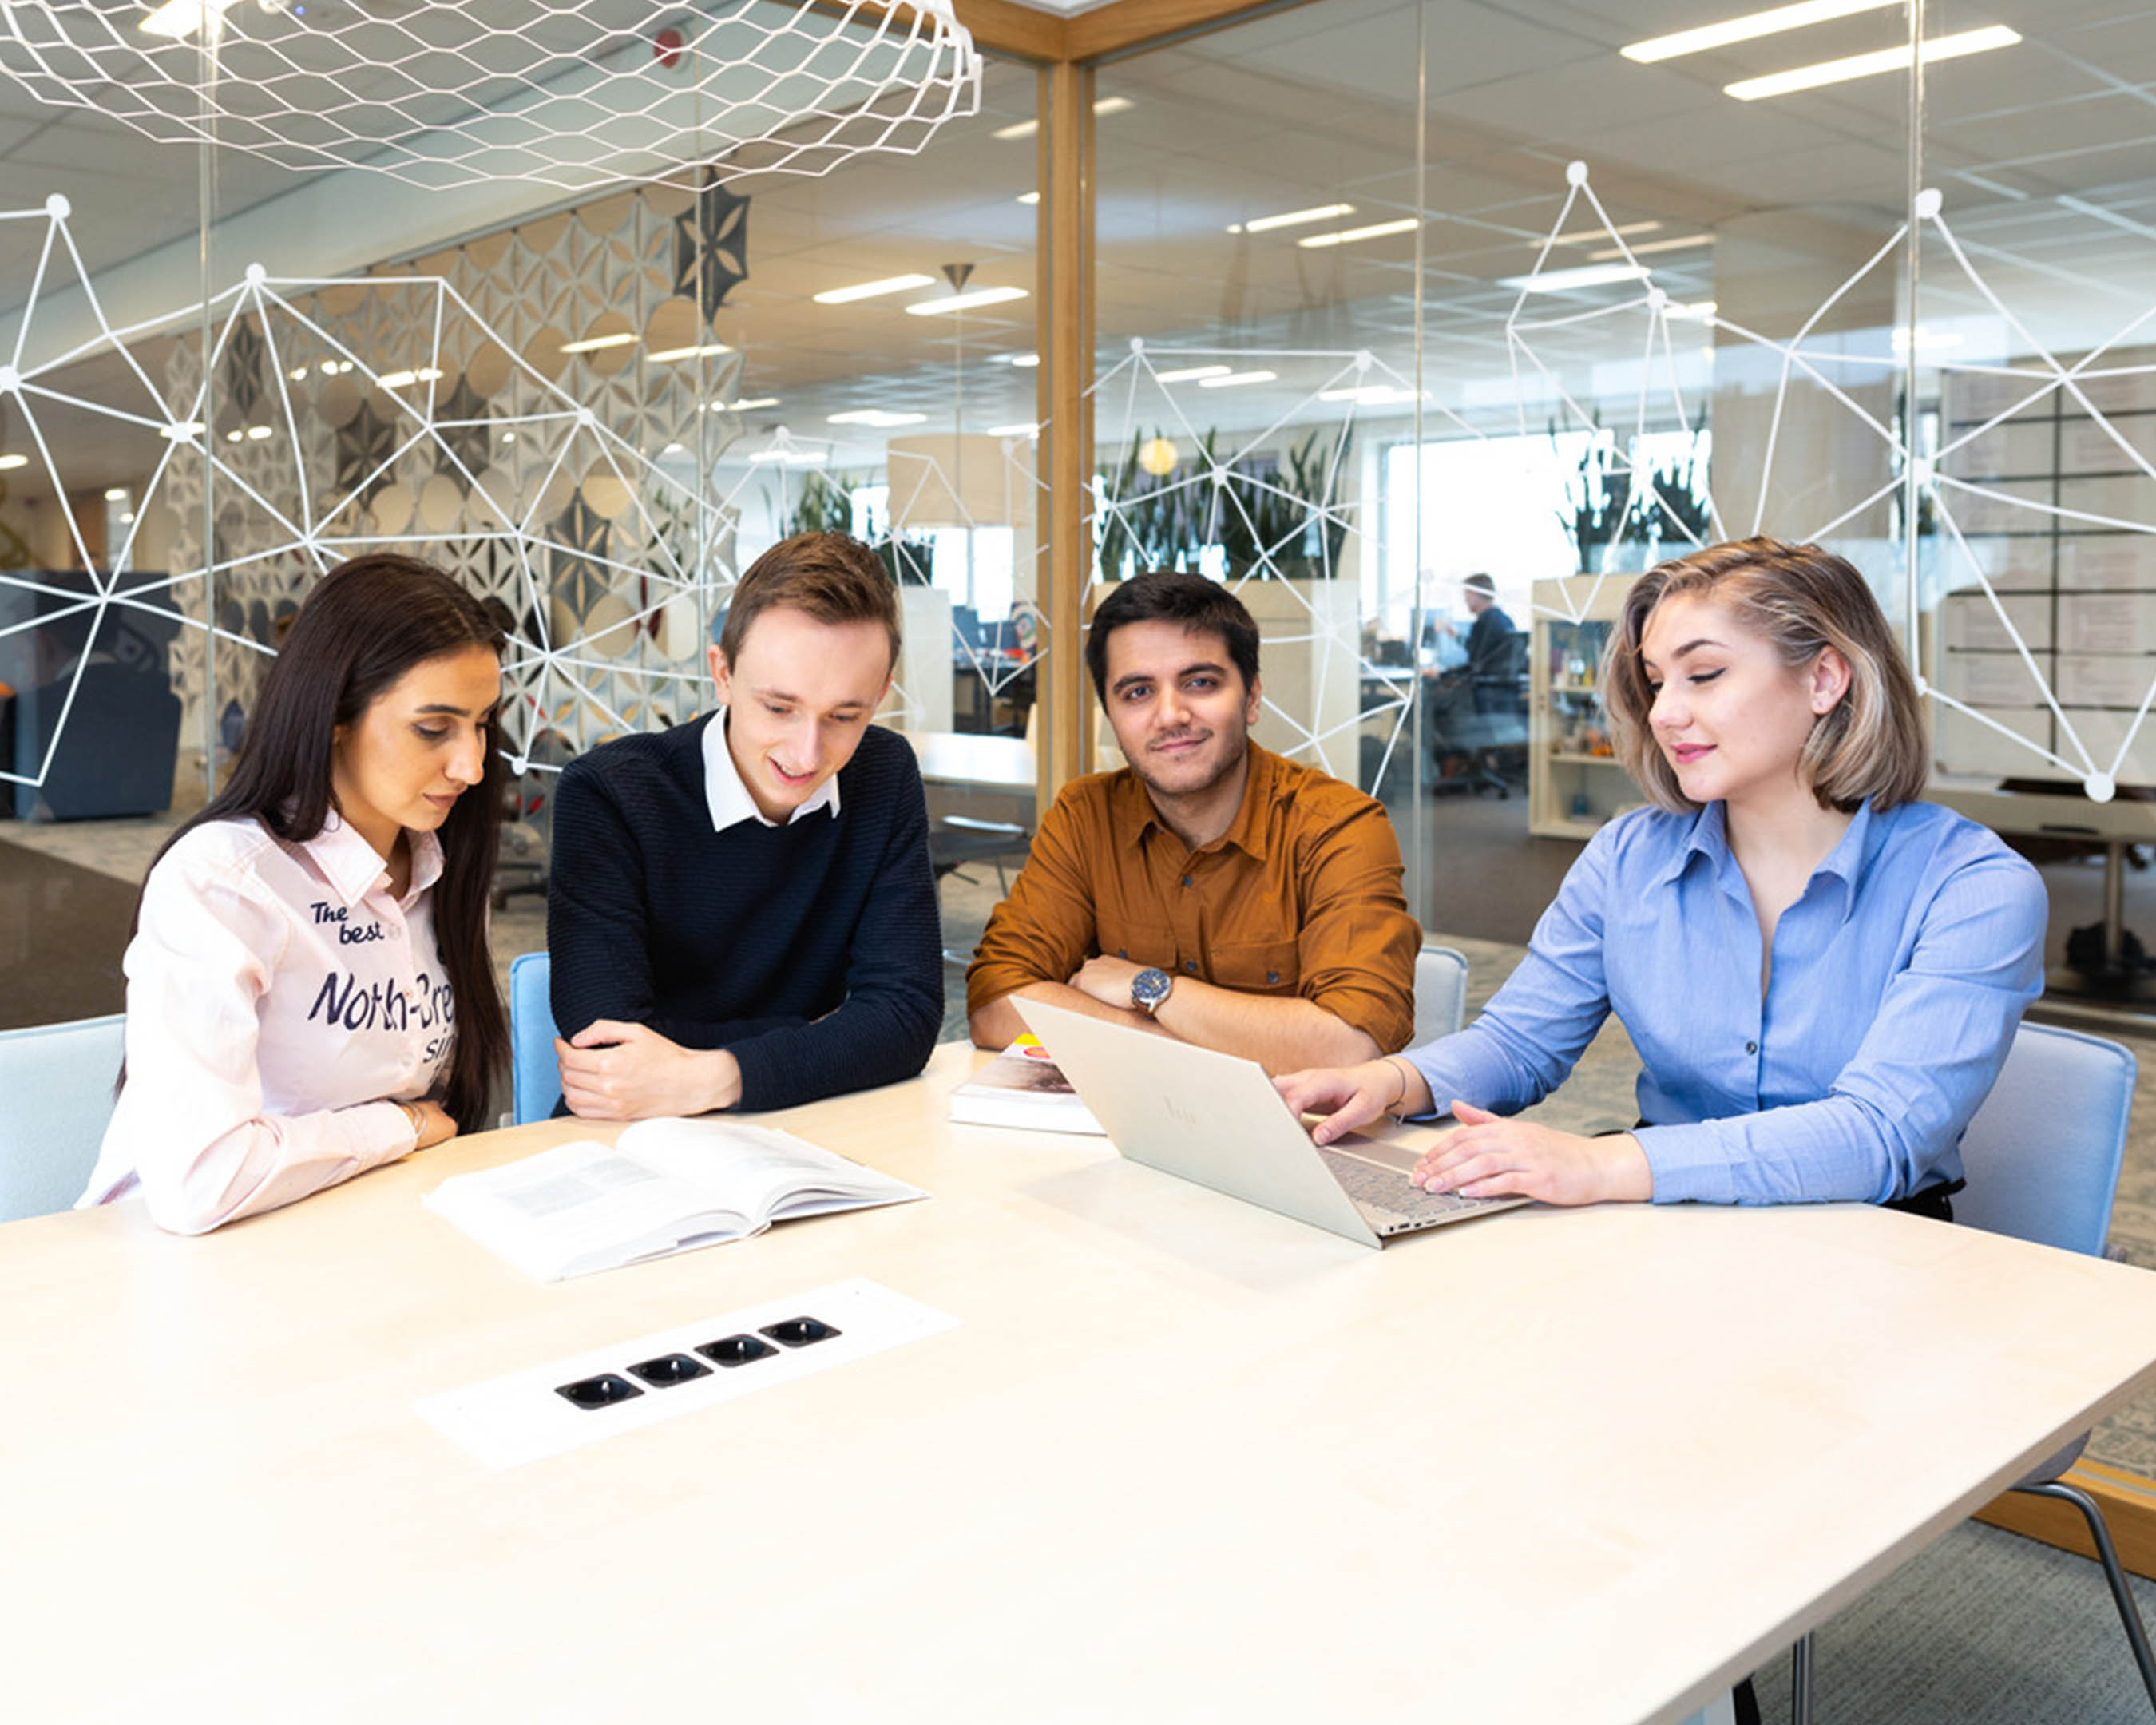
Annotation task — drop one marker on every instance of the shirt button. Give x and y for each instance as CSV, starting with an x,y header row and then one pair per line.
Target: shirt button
x,y
1272,976
1751,1048
1120,952
1186,879
1190,965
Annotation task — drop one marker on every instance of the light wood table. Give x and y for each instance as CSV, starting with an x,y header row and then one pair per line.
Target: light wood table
x,y
1183,1459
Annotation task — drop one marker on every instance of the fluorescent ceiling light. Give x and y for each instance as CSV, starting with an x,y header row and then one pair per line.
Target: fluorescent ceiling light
x,y
965,302
1190,374
672,354
794,458
423,374
1559,281
184,18
870,290
1236,379
749,403
1686,243
1024,362
876,416
117,494
1292,218
1029,198
1598,235
1027,430
1370,395
1027,128
1746,28
1349,236
1865,65
593,344
11,462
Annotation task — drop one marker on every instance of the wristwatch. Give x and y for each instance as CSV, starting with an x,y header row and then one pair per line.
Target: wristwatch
x,y
1148,989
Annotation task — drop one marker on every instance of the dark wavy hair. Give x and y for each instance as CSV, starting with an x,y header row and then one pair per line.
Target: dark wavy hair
x,y
366,623
1172,596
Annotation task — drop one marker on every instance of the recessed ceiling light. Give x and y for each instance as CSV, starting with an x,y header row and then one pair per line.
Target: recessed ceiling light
x,y
871,290
1029,198
1559,281
1686,243
1236,379
255,433
1026,430
1747,27
1370,395
423,374
1191,374
1349,236
127,520
1027,128
297,373
881,417
593,344
1867,65
12,462
1024,361
1292,218
671,354
1597,235
965,302
117,494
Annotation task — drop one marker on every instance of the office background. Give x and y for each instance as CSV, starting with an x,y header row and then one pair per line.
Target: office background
x,y
1339,301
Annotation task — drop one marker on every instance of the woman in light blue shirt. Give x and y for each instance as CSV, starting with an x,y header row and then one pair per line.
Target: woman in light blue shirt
x,y
1822,976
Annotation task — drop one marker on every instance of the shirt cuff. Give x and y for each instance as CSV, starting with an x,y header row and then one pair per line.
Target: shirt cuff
x,y
1689,1164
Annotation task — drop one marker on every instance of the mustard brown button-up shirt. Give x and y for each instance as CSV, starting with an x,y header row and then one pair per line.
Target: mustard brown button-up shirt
x,y
1301,896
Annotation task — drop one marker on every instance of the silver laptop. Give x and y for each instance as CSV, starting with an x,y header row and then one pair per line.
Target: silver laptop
x,y
1216,1120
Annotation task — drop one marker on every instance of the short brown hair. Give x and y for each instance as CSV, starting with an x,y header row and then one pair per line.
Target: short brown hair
x,y
833,576
1803,600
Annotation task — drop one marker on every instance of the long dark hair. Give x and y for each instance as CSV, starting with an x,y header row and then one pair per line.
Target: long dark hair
x,y
366,623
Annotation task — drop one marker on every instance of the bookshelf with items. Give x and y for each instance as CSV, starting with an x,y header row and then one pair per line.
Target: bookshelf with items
x,y
2079,593
1574,783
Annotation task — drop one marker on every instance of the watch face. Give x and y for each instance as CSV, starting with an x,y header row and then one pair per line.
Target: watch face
x,y
1149,987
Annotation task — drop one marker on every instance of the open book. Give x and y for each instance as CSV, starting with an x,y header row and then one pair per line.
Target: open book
x,y
668,1186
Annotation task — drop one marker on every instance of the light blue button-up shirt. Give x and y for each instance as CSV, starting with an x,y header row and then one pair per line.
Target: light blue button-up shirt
x,y
1898,978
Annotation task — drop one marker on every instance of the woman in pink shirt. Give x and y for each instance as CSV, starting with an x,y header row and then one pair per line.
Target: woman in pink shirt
x,y
308,990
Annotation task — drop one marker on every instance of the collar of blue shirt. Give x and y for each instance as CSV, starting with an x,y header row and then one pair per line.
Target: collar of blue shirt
x,y
1846,862
728,799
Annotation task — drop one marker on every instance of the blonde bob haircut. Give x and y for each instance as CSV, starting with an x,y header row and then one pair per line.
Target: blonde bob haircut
x,y
1802,600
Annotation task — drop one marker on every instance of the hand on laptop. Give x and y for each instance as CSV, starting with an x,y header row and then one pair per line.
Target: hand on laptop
x,y
1352,1096
1487,1157
612,1071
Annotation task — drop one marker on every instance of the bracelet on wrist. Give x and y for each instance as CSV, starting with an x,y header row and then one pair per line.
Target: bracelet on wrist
x,y
1401,1095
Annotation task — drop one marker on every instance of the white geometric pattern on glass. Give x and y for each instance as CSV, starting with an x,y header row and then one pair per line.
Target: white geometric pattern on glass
x,y
574,94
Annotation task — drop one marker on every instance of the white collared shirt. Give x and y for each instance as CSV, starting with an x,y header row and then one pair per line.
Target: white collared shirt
x,y
728,798
276,995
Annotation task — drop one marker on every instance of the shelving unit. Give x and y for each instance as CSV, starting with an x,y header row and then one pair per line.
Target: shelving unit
x,y
1572,789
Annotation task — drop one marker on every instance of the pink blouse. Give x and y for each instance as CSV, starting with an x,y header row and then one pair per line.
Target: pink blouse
x,y
276,994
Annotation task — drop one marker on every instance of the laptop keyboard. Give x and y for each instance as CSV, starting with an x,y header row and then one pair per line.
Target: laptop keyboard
x,y
1387,1192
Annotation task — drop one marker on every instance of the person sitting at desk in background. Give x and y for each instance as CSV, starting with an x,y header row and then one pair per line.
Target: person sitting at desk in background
x,y
742,912
1209,889
308,991
1822,976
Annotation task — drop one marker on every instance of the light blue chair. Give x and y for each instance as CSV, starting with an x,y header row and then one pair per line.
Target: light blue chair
x,y
55,1100
2042,1158
1440,1000
535,1075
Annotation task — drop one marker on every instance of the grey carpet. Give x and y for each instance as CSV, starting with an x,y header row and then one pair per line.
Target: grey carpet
x,y
1986,1628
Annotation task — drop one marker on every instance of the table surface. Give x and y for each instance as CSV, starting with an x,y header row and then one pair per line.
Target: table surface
x,y
1183,1459
967,757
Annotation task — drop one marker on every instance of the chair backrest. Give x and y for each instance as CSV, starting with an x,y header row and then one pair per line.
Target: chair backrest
x,y
535,1075
55,1101
1440,1000
2042,1155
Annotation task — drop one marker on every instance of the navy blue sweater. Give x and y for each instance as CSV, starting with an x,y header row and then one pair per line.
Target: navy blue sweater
x,y
812,951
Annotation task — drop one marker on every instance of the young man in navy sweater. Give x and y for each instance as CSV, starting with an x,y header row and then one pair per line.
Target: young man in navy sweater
x,y
742,912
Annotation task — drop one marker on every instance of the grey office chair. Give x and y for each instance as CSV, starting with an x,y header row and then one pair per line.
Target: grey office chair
x,y
1440,997
55,1101
2042,1158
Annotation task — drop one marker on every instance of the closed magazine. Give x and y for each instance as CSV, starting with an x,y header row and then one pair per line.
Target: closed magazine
x,y
667,1186
1022,1087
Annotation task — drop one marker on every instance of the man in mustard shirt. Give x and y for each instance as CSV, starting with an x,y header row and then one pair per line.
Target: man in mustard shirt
x,y
1210,890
